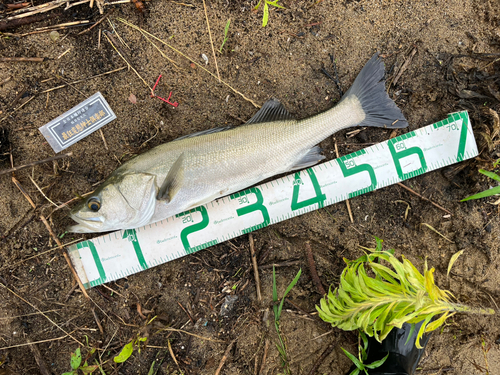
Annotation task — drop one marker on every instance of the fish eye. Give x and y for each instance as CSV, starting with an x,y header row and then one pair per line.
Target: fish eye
x,y
94,204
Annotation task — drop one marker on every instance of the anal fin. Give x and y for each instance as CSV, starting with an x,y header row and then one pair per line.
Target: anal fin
x,y
312,157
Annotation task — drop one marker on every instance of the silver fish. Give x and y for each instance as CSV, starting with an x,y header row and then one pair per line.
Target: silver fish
x,y
196,169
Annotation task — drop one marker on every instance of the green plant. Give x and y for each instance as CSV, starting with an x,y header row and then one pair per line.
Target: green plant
x,y
277,308
265,17
362,356
76,361
226,29
128,349
489,192
376,304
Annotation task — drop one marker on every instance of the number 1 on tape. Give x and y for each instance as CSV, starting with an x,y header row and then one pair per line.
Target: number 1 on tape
x,y
119,254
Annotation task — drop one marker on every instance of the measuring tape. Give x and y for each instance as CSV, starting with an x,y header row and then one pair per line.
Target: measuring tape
x,y
119,254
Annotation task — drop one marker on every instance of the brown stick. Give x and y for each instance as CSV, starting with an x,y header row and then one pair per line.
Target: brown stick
x,y
211,42
312,269
5,81
322,357
83,80
97,23
37,309
255,268
5,25
96,318
264,357
224,357
57,157
424,198
405,65
44,370
66,256
17,6
22,59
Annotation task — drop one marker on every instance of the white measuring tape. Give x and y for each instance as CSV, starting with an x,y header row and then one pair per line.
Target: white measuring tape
x,y
119,254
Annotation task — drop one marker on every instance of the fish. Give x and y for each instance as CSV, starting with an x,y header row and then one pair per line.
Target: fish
x,y
195,169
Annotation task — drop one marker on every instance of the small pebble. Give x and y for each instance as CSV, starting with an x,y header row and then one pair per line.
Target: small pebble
x,y
54,35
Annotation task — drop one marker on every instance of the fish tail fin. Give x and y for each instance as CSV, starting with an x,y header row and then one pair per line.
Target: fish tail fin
x,y
369,89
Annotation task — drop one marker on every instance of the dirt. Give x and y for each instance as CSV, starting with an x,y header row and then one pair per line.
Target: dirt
x,y
457,48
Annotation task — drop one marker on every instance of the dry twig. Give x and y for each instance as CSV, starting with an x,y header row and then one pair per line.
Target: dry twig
x,y
37,309
224,357
405,66
22,59
264,357
187,57
66,256
321,358
83,80
211,42
255,267
97,23
312,269
42,365
424,198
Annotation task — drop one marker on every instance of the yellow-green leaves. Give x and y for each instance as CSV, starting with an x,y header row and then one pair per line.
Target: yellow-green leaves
x,y
378,292
267,3
453,260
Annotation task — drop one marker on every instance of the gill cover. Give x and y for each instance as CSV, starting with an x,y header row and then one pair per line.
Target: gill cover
x,y
126,201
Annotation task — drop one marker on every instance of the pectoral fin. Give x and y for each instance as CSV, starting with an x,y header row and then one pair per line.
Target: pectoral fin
x,y
173,181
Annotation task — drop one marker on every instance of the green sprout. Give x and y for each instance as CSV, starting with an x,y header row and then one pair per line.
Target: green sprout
x,y
362,356
128,349
76,361
265,17
393,296
277,308
226,29
487,193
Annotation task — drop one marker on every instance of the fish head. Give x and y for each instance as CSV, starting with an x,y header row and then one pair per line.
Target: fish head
x,y
123,201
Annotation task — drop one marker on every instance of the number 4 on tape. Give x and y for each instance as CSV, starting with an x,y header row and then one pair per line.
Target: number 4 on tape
x,y
123,253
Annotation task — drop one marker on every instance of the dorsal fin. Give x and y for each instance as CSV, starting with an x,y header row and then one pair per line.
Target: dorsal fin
x,y
173,181
205,132
272,110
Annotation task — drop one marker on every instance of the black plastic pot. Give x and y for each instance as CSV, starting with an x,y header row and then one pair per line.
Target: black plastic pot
x,y
403,357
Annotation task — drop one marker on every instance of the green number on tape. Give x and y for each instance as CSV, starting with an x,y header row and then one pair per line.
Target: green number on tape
x,y
131,235
97,261
257,206
194,228
451,125
463,135
349,168
399,151
319,198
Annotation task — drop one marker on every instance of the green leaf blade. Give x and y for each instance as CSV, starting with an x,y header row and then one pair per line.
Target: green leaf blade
x,y
125,353
76,359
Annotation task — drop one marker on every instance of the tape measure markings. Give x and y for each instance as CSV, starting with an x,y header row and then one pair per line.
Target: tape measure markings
x,y
122,253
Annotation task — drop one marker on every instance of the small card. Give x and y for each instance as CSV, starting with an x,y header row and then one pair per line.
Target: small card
x,y
80,121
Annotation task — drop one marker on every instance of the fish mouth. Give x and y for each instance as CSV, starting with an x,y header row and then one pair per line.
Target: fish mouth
x,y
85,225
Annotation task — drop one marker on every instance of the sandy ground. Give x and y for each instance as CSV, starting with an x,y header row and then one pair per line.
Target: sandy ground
x,y
455,67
